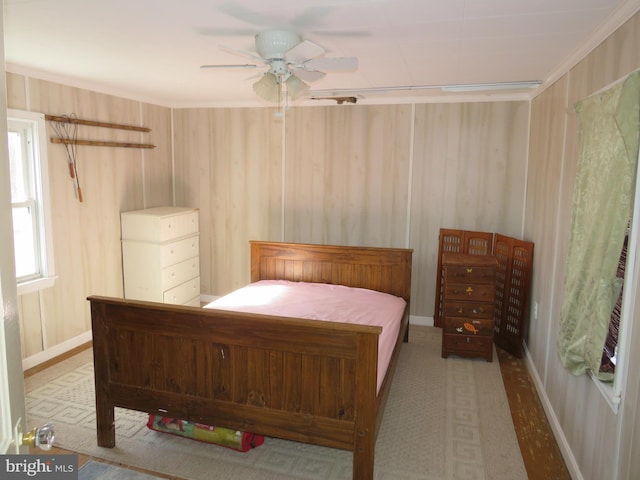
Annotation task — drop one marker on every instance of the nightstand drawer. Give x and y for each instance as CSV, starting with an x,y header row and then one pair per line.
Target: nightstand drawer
x,y
468,309
174,275
467,345
470,292
470,274
467,326
160,224
183,293
178,226
175,252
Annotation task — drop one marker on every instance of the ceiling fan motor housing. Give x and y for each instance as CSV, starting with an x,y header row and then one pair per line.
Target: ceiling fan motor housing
x,y
274,44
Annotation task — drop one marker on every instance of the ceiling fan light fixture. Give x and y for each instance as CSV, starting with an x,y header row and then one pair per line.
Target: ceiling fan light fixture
x,y
296,88
274,44
268,87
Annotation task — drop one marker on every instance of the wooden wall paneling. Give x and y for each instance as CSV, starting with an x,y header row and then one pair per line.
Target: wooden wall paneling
x,y
193,158
587,424
437,137
491,176
547,217
229,164
86,234
515,158
157,162
347,175
544,194
16,91
30,325
469,173
590,442
613,59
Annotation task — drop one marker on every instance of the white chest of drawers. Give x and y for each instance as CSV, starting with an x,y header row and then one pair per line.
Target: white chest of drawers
x,y
161,255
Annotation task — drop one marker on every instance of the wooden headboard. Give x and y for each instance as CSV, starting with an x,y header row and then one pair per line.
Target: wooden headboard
x,y
386,270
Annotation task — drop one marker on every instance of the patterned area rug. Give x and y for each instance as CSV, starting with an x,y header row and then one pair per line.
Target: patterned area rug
x,y
101,471
445,420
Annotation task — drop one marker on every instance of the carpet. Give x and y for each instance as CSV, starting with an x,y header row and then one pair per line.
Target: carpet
x,y
445,419
102,471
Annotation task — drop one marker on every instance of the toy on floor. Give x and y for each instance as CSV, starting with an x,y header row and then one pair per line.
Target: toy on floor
x,y
234,439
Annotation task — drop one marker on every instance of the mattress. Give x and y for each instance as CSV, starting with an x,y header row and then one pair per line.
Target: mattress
x,y
321,301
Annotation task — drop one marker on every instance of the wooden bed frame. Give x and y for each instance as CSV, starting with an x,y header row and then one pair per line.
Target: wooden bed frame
x,y
303,380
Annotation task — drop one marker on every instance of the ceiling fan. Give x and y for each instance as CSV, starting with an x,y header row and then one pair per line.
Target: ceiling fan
x,y
291,61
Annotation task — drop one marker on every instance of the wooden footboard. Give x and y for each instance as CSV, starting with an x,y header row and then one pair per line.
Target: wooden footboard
x,y
302,380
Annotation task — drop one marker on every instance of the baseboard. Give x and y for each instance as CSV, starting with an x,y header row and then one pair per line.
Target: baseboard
x,y
56,351
565,448
204,299
424,321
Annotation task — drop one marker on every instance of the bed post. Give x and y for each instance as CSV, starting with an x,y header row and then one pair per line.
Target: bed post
x,y
105,418
365,426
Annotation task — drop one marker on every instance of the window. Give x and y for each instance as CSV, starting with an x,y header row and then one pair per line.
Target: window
x,y
30,200
606,214
610,351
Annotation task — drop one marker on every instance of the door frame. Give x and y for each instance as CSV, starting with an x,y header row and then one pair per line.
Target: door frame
x,y
12,404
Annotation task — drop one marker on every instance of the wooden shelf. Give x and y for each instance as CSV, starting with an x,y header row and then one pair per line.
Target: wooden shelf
x,y
97,143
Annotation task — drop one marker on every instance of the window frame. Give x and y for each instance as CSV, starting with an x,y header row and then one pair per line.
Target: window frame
x,y
40,172
613,391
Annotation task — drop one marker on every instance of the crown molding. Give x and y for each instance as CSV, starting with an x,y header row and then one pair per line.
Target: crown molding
x,y
613,22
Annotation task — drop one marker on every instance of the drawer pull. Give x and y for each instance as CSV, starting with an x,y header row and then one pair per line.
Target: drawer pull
x,y
467,339
469,290
469,270
460,310
475,310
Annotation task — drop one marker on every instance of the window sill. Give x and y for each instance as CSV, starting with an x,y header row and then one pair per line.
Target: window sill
x,y
606,389
36,285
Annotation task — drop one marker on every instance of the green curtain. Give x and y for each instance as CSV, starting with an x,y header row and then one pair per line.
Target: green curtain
x,y
609,129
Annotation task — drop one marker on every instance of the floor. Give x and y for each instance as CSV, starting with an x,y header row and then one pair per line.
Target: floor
x,y
540,452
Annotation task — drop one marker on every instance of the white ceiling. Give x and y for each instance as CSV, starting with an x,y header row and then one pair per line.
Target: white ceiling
x,y
151,50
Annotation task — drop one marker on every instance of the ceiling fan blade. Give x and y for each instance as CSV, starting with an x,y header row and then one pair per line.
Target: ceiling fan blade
x,y
331,63
246,15
244,53
341,33
304,51
311,17
307,19
245,66
226,32
309,75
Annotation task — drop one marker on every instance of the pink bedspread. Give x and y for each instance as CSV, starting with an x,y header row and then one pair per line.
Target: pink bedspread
x,y
319,301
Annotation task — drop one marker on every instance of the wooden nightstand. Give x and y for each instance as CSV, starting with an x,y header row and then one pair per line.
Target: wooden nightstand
x,y
468,305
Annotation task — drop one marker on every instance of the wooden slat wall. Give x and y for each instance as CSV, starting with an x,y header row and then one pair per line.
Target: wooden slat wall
x,y
336,175
589,427
86,236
